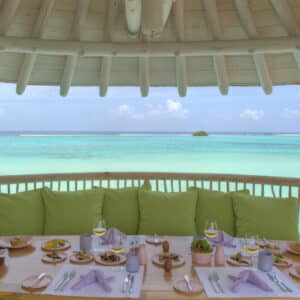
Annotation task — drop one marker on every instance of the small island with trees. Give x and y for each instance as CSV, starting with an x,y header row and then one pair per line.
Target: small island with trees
x,y
200,133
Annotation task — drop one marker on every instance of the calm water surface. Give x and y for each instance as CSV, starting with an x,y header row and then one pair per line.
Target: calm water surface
x,y
277,155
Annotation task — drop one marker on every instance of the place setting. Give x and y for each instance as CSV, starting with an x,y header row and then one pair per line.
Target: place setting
x,y
16,242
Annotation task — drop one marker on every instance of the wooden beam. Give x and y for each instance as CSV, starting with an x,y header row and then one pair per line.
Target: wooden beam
x,y
144,75
276,45
105,75
71,60
7,14
112,9
249,26
155,14
181,69
37,32
286,16
133,13
288,20
213,21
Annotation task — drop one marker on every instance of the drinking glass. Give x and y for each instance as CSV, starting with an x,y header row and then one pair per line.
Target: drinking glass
x,y
118,246
251,247
211,229
100,227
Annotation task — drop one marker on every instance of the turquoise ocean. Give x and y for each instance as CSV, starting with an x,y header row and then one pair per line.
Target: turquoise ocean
x,y
270,154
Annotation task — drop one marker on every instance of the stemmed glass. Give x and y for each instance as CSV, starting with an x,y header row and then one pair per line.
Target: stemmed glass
x,y
211,229
100,227
251,247
118,246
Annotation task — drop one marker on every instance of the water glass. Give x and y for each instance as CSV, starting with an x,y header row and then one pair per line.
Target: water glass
x,y
211,229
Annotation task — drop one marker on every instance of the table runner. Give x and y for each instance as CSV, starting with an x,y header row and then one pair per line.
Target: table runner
x,y
94,290
247,290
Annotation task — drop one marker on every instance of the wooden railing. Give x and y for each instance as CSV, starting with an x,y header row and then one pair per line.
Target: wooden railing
x,y
170,182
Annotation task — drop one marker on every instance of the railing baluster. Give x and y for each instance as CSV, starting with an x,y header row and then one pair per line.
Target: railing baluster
x,y
165,185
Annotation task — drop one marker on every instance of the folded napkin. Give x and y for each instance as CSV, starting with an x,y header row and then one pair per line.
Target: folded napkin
x,y
248,276
224,239
113,236
94,276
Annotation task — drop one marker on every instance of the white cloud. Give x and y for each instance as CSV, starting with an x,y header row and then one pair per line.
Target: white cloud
x,y
171,109
252,114
292,113
127,111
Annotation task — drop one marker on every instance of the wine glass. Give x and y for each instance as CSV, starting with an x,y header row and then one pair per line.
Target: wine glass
x,y
251,247
211,229
118,246
100,227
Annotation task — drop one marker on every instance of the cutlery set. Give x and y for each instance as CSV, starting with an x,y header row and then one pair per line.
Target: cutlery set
x,y
67,278
214,281
128,283
283,287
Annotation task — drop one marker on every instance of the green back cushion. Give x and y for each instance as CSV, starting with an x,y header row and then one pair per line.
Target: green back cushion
x,y
271,218
21,213
121,208
72,212
167,213
216,206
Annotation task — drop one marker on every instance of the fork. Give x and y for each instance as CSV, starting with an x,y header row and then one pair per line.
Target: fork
x,y
217,280
275,280
125,283
62,281
70,278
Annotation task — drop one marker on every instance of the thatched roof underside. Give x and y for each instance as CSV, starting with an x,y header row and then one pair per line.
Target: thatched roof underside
x,y
150,43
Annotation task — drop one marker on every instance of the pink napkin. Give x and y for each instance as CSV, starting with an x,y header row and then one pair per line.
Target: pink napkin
x,y
223,238
94,276
248,276
112,236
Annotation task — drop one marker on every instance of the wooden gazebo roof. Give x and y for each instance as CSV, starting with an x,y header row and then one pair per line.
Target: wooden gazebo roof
x,y
150,43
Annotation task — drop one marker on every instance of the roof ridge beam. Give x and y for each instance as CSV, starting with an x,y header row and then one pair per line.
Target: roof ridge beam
x,y
213,21
249,26
181,68
37,32
8,12
71,60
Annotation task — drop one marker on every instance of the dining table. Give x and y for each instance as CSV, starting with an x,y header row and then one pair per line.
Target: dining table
x,y
157,284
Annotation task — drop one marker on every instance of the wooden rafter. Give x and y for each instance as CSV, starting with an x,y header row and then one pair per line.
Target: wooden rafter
x,y
249,26
71,60
37,32
144,75
8,12
289,22
106,62
181,72
277,45
213,21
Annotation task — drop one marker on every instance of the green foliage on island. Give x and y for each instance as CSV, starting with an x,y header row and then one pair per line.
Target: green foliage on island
x,y
200,133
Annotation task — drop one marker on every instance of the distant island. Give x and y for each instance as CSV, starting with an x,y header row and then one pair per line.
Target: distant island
x,y
200,133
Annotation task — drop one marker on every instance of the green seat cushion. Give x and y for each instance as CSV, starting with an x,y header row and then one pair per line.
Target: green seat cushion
x,y
167,213
215,206
72,212
21,213
271,218
121,208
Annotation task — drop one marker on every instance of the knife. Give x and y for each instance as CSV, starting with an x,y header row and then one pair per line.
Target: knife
x,y
125,283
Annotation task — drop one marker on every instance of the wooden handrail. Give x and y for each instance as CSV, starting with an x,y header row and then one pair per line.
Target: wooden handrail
x,y
258,185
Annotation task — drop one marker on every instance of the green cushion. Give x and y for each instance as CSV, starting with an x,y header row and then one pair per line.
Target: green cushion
x,y
121,208
271,218
72,212
167,213
216,206
21,213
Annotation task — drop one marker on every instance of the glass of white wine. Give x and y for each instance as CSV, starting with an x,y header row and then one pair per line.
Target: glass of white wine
x,y
100,227
211,229
252,248
118,246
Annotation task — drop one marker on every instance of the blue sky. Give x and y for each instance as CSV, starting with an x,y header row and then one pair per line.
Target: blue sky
x,y
244,109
